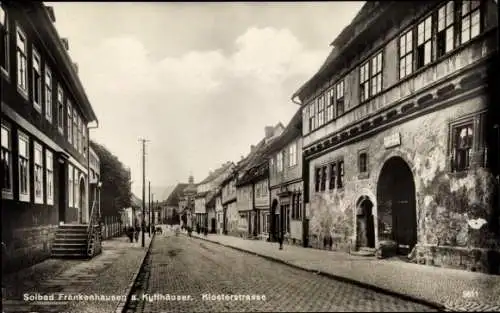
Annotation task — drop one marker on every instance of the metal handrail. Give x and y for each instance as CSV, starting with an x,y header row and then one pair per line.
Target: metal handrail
x,y
90,228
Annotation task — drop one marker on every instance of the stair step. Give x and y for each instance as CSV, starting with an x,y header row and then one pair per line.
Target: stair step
x,y
70,255
368,249
69,245
363,253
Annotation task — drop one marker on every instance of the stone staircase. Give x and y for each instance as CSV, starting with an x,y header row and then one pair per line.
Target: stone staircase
x,y
74,241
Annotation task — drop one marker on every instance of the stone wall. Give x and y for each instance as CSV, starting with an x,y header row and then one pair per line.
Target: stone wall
x,y
28,246
446,203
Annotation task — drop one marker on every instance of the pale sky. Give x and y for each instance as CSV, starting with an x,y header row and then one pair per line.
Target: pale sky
x,y
199,80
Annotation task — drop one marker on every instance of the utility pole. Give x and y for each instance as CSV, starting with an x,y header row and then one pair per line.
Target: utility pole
x,y
151,214
143,187
149,204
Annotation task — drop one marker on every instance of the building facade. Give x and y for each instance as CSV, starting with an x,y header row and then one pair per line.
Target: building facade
x,y
398,141
285,184
230,216
187,203
219,213
45,113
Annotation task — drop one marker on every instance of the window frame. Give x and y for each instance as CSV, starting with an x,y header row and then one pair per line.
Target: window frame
x,y
330,107
426,42
37,147
60,109
404,54
8,193
332,179
24,196
362,153
36,76
446,26
76,183
6,33
478,143
69,117
469,14
324,175
279,162
48,83
312,117
340,100
367,76
292,152
49,176
321,110
340,173
23,90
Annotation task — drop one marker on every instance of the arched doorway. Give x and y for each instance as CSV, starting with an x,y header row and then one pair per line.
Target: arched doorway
x,y
365,229
274,221
396,208
81,204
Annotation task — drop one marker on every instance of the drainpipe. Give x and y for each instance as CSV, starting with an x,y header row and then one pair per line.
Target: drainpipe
x,y
88,163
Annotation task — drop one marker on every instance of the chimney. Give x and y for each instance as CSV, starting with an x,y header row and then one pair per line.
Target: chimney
x,y
65,43
191,179
269,131
75,66
252,148
50,12
242,157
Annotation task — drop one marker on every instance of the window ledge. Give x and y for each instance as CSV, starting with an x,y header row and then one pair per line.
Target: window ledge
x,y
24,198
38,107
5,74
364,175
23,93
39,201
6,194
50,202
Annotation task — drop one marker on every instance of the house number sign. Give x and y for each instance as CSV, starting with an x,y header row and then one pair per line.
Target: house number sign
x,y
392,140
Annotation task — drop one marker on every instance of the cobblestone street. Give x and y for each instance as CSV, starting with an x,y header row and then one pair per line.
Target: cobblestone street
x,y
181,265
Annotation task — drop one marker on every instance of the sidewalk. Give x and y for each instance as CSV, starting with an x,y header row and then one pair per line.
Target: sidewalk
x,y
109,274
447,288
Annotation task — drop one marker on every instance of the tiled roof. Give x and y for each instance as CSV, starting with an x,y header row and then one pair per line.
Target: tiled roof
x,y
216,173
292,131
258,162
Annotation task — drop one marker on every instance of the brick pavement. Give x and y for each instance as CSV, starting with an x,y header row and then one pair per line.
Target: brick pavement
x,y
189,267
108,274
453,289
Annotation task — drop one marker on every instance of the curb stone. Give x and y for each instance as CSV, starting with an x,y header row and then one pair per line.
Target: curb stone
x,y
389,292
121,306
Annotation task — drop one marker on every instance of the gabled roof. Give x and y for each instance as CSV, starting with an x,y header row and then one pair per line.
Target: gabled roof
x,y
173,198
292,131
216,173
258,165
191,188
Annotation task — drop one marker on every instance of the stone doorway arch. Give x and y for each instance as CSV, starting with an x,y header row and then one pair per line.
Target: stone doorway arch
x,y
396,204
365,225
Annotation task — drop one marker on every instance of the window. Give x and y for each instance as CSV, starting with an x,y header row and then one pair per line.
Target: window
x,y
376,74
406,54
266,223
462,140
22,67
333,175
37,80
363,162
49,185
424,43
79,124
280,161
296,207
4,42
339,97
76,193
24,175
312,116
323,178
71,200
38,181
321,110
445,29
329,106
70,125
6,162
364,78
75,127
471,20
60,109
84,139
317,179
293,154
48,94
285,208
340,171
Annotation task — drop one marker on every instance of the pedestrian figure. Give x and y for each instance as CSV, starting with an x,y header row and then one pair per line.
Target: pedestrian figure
x,y
130,233
205,231
280,240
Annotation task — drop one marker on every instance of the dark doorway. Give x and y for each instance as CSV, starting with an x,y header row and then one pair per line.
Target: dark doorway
x,y
81,205
224,222
396,204
62,186
272,220
213,223
365,226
